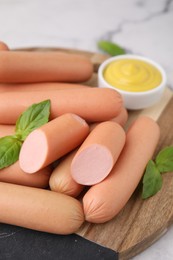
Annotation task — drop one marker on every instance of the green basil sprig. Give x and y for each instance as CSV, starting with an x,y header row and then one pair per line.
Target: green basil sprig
x,y
111,48
152,179
34,117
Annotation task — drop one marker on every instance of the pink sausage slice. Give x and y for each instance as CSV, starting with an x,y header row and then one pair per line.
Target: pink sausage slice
x,y
28,67
98,153
51,141
14,174
92,104
39,209
104,200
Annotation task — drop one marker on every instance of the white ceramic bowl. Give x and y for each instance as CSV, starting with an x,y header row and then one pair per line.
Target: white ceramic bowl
x,y
135,100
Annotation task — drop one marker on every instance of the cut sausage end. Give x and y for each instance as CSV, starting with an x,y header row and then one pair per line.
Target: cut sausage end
x,y
33,152
92,165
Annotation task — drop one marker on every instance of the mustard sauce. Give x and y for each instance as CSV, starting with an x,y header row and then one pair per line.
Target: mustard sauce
x,y
132,75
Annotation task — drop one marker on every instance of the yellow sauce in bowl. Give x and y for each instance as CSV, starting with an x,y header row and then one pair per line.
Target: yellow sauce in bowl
x,y
132,75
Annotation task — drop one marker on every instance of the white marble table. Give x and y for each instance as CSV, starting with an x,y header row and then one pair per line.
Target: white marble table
x,y
141,26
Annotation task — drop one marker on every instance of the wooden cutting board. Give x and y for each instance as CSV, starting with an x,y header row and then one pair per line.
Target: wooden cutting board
x,y
141,222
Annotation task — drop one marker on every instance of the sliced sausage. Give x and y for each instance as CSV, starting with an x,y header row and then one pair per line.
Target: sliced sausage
x,y
14,174
97,155
51,141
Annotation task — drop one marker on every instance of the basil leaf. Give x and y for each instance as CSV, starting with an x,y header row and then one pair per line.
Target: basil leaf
x,y
9,150
152,180
164,160
34,117
111,48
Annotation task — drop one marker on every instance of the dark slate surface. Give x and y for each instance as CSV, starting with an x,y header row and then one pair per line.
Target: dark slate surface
x,y
17,243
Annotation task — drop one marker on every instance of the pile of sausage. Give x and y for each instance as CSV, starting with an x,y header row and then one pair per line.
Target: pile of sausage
x,y
83,145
